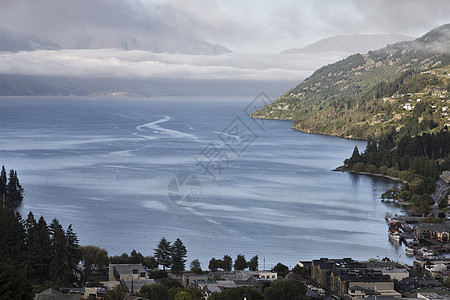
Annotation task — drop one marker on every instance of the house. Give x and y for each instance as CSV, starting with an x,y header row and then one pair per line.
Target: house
x,y
359,282
445,176
321,269
267,275
432,296
131,276
189,280
119,272
52,294
439,231
436,270
407,106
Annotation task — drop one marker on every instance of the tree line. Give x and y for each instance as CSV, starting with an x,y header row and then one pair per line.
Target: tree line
x,y
418,160
36,255
11,192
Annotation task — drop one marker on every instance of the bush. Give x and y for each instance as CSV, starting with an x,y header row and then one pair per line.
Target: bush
x,y
359,167
392,172
371,169
383,170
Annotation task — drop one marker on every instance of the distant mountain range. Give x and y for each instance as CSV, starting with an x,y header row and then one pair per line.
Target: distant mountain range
x,y
346,98
12,41
355,43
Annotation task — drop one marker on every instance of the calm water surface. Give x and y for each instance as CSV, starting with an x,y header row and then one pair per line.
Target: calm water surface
x,y
104,165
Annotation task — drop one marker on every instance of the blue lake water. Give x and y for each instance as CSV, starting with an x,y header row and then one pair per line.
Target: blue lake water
x,y
105,165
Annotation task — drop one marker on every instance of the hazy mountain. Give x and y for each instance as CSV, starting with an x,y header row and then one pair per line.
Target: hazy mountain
x,y
345,98
11,41
351,43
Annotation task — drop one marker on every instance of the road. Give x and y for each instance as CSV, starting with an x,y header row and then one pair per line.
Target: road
x,y
441,190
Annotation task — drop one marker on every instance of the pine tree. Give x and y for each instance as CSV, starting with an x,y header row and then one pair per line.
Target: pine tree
x,y
3,182
253,263
227,263
44,256
58,264
163,253
12,237
240,263
14,190
178,257
31,243
73,253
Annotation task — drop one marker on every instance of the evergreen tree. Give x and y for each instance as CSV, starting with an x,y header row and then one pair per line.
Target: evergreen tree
x,y
136,257
30,227
227,263
178,257
355,158
73,253
196,266
58,264
280,269
163,253
213,265
253,263
12,238
240,263
13,283
3,182
43,258
14,189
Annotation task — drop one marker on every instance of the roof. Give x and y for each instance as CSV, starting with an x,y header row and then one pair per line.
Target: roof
x,y
439,227
136,283
50,291
127,269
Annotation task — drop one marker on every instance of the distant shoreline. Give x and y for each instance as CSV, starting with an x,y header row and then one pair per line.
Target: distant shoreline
x,y
341,169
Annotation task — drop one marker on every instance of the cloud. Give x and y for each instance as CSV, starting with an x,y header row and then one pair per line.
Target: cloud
x,y
144,64
249,26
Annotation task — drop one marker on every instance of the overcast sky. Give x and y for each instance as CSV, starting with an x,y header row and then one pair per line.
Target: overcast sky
x,y
253,26
256,31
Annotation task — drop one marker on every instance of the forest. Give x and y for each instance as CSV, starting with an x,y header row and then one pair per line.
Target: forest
x,y
419,161
354,98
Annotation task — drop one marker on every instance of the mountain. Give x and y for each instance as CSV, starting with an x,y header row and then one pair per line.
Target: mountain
x,y
351,98
10,41
13,41
355,43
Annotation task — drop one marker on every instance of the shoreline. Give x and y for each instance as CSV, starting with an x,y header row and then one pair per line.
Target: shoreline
x,y
308,131
341,169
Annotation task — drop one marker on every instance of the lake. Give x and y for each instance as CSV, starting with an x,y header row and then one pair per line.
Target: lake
x,y
128,171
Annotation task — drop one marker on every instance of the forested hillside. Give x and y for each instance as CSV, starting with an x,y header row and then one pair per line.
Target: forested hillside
x,y
365,95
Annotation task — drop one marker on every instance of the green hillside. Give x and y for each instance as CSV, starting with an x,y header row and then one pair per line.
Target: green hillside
x,y
403,87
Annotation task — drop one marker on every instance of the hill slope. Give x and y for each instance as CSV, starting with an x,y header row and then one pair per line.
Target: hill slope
x,y
356,43
343,98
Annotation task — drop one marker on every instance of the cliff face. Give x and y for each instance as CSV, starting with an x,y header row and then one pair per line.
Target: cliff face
x,y
343,98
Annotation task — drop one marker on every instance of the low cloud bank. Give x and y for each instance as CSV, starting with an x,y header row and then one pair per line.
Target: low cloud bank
x,y
114,63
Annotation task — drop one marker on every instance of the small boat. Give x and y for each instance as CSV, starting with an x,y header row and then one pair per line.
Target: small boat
x,y
428,254
395,235
409,251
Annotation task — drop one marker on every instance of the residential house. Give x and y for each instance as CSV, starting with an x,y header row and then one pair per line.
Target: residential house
x,y
439,231
131,276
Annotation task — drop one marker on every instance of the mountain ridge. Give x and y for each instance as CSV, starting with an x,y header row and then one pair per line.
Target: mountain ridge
x,y
14,42
355,43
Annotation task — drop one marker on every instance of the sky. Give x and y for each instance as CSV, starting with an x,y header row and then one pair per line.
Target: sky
x,y
252,26
255,30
